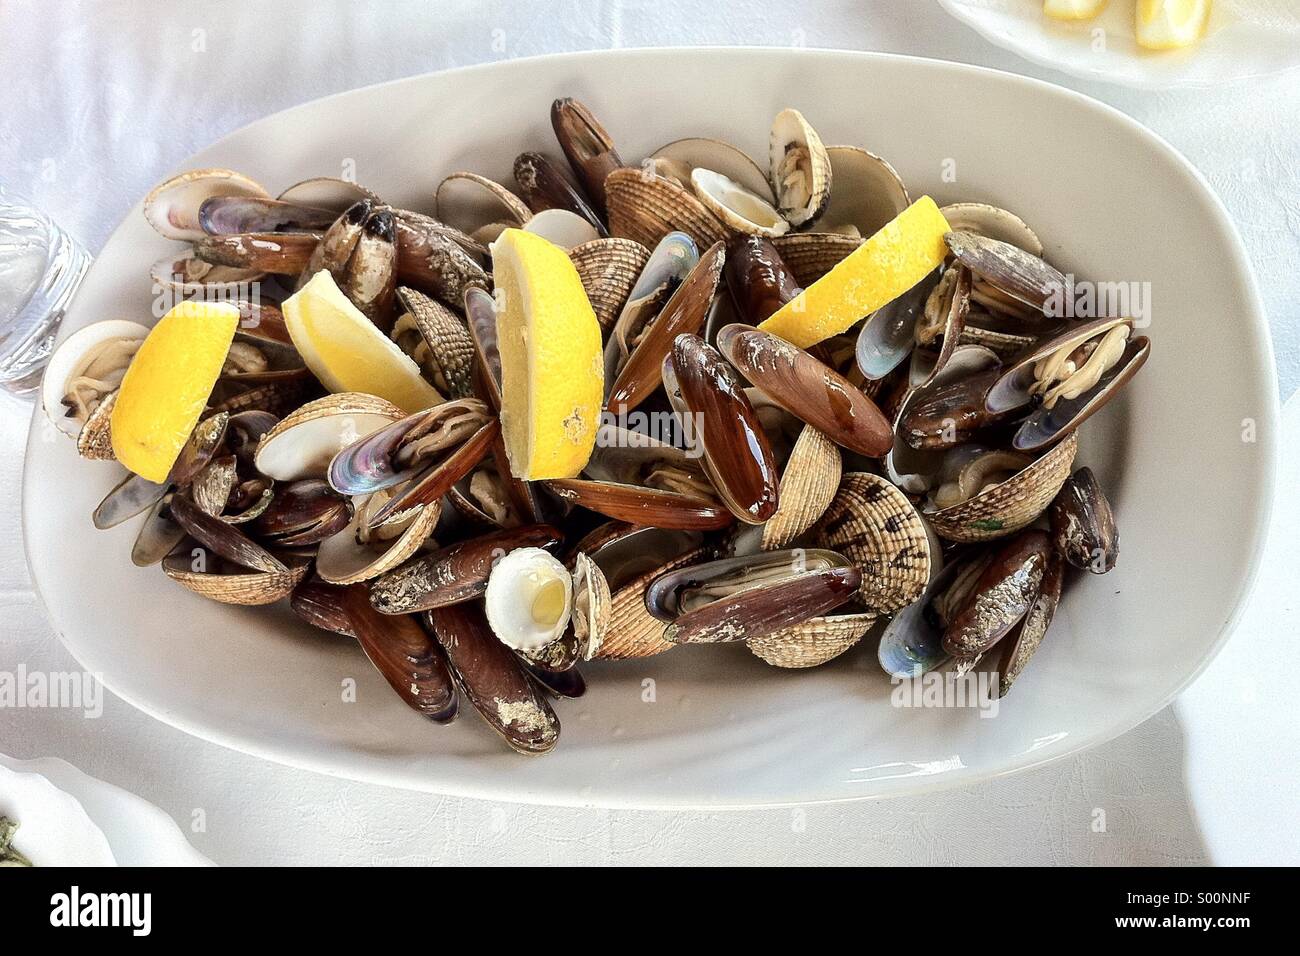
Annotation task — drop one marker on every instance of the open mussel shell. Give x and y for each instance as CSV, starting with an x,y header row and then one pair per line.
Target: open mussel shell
x,y
678,159
949,410
873,524
172,207
868,192
630,562
303,513
737,455
221,537
453,574
812,642
993,222
647,207
1083,524
232,215
684,313
212,577
799,168
1026,639
304,443
636,504
1047,425
609,269
671,262
345,558
810,255
1004,592
448,356
494,679
1015,388
912,642
1009,269
808,389
889,334
1010,505
157,536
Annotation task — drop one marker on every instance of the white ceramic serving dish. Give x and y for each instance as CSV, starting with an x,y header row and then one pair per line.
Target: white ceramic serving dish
x,y
715,726
1243,39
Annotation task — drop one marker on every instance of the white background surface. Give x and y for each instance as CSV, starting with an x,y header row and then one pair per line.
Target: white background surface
x,y
103,99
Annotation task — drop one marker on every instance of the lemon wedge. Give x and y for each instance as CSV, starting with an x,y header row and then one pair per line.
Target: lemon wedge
x,y
552,371
1171,24
1073,9
347,352
167,384
900,255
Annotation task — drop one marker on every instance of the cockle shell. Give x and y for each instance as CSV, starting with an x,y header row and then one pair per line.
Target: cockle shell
x,y
450,347
810,255
633,631
591,606
95,440
812,642
609,269
799,168
172,207
809,480
529,599
646,207
231,584
873,524
1011,505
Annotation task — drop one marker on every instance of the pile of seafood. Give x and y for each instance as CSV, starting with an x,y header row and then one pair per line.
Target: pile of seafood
x,y
912,479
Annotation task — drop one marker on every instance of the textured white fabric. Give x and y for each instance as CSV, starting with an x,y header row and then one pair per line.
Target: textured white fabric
x,y
102,99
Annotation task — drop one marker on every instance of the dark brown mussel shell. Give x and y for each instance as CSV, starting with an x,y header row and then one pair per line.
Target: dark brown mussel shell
x,y
589,149
1083,524
1001,597
757,277
738,457
404,654
684,313
759,611
228,215
494,679
809,390
690,588
455,573
653,507
1008,268
1027,638
544,187
321,605
280,253
302,513
951,414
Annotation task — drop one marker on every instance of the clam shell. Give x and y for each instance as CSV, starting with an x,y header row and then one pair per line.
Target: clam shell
x,y
868,191
633,631
184,275
609,269
808,485
327,192
812,642
451,349
697,152
993,222
592,603
789,131
237,586
304,443
739,209
871,522
469,201
810,255
1011,505
1008,268
172,207
341,560
70,360
562,228
95,440
646,207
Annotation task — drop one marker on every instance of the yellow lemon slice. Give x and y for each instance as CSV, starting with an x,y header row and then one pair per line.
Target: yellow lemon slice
x,y
893,260
1171,24
167,384
552,373
1073,9
347,352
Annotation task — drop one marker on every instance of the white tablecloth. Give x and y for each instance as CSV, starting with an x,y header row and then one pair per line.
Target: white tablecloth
x,y
102,99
